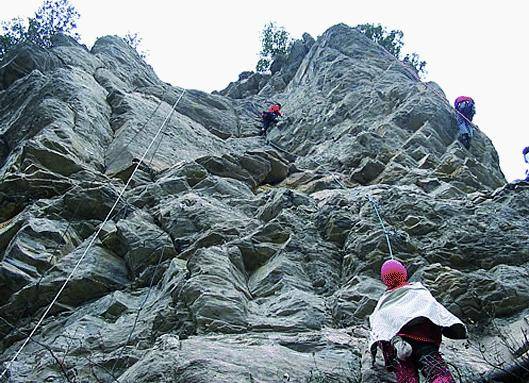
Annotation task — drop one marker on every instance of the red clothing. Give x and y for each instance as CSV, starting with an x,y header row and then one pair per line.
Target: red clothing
x,y
425,331
275,109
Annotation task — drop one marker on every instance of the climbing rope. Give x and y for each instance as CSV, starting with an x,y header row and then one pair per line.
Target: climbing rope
x,y
371,200
94,238
386,234
10,61
380,78
142,127
375,207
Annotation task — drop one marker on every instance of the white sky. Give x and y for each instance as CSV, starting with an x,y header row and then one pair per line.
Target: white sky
x,y
475,47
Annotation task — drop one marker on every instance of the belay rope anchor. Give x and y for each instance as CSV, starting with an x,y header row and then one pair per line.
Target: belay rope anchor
x,y
386,234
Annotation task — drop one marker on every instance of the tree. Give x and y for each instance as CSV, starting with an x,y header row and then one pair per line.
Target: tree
x,y
393,42
53,16
275,40
135,41
13,32
415,62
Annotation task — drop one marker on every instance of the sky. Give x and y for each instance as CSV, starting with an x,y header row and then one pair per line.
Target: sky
x,y
476,48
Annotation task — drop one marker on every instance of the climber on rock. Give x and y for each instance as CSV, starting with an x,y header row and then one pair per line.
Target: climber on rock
x,y
465,112
408,324
270,117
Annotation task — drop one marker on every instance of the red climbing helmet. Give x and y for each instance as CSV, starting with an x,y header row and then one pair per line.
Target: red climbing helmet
x,y
275,108
393,274
461,99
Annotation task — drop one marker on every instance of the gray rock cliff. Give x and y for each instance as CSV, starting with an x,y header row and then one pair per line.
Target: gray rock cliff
x,y
229,258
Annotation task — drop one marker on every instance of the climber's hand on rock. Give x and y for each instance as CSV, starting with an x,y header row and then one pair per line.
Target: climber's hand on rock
x,y
403,348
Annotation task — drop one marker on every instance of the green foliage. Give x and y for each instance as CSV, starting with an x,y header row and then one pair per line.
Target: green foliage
x,y
393,42
263,65
13,31
275,40
53,16
135,41
415,62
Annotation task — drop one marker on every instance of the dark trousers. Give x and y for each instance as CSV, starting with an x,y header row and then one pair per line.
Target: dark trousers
x,y
425,358
268,120
465,140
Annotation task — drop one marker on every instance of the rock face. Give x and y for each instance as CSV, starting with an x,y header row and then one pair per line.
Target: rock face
x,y
231,259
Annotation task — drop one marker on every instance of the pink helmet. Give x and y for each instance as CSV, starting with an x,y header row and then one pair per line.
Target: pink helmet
x,y
393,274
461,99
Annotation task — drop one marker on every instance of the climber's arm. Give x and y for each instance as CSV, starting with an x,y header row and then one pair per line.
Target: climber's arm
x,y
374,351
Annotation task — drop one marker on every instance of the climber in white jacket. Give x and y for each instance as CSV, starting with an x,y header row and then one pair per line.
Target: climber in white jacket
x,y
408,324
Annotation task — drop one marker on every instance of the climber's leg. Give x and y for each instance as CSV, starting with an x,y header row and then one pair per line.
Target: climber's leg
x,y
465,131
434,368
390,355
266,122
269,119
465,140
405,371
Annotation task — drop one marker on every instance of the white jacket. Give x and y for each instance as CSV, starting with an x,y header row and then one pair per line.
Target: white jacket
x,y
398,307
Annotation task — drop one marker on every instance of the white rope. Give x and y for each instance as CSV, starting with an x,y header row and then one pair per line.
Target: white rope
x,y
374,204
92,241
10,61
381,77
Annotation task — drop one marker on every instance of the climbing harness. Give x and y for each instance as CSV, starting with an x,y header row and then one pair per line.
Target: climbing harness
x,y
94,238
